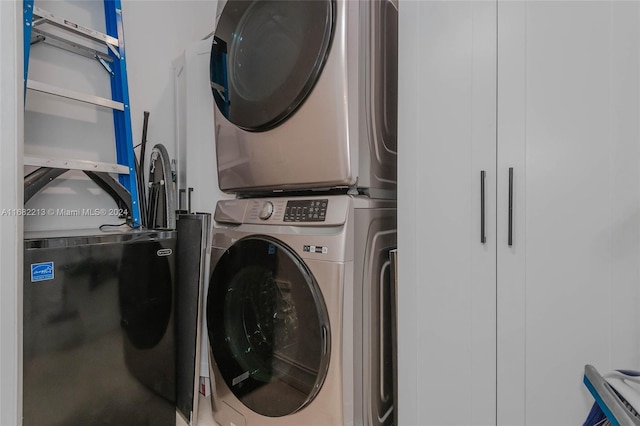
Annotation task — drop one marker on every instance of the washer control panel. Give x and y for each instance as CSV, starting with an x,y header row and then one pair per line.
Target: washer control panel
x,y
309,211
306,210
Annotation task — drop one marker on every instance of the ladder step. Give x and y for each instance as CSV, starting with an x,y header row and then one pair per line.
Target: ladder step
x,y
70,94
41,36
91,166
41,16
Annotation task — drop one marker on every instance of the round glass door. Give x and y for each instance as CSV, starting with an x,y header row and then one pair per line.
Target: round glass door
x,y
268,326
266,57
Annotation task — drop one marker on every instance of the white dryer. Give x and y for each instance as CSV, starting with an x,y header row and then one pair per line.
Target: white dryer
x,y
299,311
306,95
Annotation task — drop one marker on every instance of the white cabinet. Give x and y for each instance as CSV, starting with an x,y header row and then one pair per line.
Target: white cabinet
x,y
447,278
497,333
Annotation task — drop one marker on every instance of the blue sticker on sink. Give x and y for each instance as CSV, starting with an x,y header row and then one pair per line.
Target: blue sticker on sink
x,y
41,271
272,249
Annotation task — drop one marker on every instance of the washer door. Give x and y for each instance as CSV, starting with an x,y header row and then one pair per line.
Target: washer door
x,y
268,326
266,58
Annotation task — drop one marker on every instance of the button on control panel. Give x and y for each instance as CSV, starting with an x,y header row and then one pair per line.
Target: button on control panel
x,y
266,211
306,210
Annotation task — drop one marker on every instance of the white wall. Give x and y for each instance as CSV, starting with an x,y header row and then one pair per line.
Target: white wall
x,y
156,32
10,225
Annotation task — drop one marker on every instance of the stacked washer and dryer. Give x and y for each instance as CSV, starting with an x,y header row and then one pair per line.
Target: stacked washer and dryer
x,y
300,303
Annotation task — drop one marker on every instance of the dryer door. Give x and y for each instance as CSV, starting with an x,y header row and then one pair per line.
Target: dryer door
x,y
266,58
268,326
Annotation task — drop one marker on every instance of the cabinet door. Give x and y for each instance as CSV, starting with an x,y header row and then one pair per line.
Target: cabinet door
x,y
447,276
568,121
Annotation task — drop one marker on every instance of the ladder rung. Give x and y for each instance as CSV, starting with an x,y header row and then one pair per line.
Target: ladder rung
x,y
39,35
73,27
218,87
70,94
59,163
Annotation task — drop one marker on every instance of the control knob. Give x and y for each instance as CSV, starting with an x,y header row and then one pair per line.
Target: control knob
x,y
266,211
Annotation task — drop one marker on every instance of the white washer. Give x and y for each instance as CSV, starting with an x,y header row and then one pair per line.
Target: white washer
x,y
306,95
299,311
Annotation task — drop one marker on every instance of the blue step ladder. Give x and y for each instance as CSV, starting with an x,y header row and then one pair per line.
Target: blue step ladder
x,y
37,23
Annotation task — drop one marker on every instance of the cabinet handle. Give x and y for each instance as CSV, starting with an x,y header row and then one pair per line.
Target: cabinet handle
x,y
510,206
393,258
483,236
